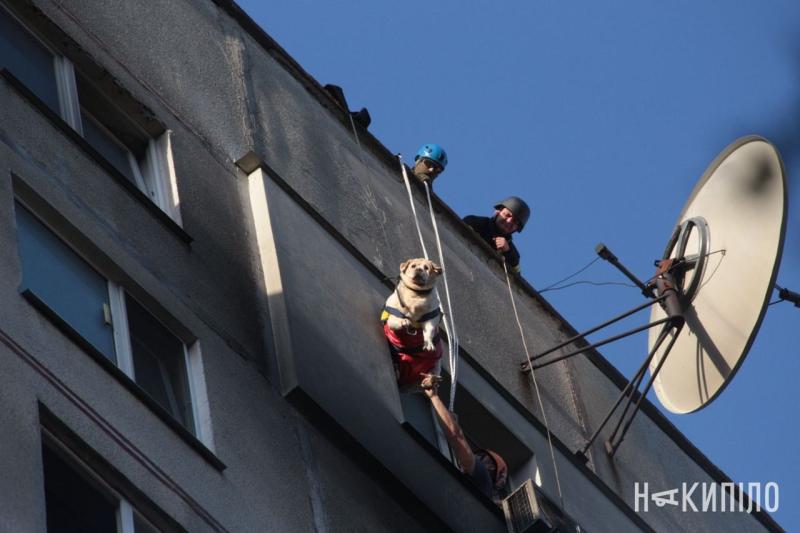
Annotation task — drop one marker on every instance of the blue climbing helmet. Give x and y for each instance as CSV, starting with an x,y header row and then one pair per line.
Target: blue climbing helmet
x,y
434,152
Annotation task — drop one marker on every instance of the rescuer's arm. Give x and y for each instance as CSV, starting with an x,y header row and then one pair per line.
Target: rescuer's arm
x,y
452,431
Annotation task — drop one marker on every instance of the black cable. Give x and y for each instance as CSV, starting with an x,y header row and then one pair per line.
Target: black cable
x,y
552,286
585,282
549,287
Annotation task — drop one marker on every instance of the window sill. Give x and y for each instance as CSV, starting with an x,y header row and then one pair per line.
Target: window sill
x,y
121,180
124,380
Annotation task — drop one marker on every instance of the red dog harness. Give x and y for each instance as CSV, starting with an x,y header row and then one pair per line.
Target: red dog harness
x,y
409,356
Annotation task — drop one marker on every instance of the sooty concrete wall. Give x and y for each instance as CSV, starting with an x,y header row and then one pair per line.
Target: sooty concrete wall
x,y
224,88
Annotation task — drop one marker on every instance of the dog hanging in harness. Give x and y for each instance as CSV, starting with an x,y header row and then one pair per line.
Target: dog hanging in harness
x,y
411,321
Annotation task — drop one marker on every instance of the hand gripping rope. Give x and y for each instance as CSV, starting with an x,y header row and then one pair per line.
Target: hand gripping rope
x,y
447,316
535,387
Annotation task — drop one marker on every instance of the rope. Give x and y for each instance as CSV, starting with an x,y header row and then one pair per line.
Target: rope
x,y
413,209
447,319
452,335
355,134
536,387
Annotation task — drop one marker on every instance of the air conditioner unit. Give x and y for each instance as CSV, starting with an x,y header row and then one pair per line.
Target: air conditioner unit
x,y
523,512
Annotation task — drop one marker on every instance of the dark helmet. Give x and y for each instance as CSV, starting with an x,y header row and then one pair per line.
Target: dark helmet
x,y
516,205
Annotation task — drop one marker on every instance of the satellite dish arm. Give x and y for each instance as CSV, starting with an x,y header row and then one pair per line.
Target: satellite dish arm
x,y
603,251
789,296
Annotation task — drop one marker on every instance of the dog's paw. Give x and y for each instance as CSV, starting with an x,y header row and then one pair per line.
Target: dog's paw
x,y
428,346
406,322
395,324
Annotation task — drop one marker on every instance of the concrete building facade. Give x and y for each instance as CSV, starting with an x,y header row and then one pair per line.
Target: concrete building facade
x,y
199,241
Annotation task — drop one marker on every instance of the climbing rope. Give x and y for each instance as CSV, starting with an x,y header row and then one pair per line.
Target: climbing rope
x,y
355,134
413,209
447,316
535,386
451,334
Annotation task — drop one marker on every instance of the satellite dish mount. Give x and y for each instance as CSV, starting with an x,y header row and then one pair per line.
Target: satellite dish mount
x,y
665,289
740,201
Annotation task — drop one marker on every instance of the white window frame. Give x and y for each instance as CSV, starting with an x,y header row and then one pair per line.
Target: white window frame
x,y
155,177
116,316
119,325
125,517
192,361
133,164
201,410
124,512
67,92
529,470
159,176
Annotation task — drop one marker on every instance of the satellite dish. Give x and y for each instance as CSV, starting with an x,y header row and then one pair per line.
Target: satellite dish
x,y
731,233
712,287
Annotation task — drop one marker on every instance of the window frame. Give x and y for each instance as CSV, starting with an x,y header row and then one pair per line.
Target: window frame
x,y
131,160
154,175
200,434
16,19
119,317
124,511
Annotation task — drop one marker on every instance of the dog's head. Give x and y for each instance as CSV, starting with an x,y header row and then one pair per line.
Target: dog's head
x,y
420,274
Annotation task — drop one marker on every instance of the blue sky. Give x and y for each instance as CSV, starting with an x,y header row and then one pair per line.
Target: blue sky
x,y
602,115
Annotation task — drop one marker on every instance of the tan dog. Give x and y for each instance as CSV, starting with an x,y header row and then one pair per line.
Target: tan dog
x,y
416,300
411,322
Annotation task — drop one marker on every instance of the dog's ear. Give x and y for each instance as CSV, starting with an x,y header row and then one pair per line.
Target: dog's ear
x,y
436,268
404,265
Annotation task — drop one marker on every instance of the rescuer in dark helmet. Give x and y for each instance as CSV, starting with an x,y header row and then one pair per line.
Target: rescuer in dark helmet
x,y
429,162
510,216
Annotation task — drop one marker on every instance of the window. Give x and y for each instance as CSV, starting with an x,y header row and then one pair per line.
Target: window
x,y
418,412
105,142
483,428
159,362
70,287
103,316
31,62
142,159
75,500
